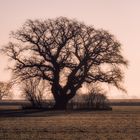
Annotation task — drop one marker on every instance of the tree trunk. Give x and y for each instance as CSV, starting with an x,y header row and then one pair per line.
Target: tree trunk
x,y
61,103
62,97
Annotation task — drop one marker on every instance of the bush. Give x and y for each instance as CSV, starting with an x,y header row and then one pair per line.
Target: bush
x,y
33,91
95,99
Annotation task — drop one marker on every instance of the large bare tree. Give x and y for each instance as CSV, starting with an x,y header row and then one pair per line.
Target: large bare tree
x,y
67,53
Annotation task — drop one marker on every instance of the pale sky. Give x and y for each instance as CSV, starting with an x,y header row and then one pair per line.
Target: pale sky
x,y
119,17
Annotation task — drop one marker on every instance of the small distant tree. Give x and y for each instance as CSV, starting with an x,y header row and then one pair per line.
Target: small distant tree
x,y
33,91
5,90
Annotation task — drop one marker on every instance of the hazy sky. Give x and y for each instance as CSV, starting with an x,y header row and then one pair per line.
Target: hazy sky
x,y
119,17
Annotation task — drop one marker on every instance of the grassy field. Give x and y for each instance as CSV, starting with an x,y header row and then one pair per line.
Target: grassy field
x,y
123,123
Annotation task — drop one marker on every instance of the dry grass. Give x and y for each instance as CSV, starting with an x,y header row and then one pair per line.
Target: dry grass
x,y
9,107
123,123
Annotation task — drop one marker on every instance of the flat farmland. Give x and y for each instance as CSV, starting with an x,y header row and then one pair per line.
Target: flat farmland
x,y
122,123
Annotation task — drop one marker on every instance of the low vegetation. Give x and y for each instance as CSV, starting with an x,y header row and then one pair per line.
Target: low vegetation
x,y
90,101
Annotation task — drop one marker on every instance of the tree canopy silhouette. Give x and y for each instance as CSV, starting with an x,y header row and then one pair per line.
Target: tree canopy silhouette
x,y
66,53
